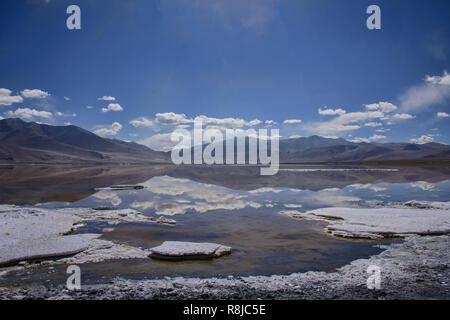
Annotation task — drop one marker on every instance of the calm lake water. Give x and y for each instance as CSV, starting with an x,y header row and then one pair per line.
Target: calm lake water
x,y
234,206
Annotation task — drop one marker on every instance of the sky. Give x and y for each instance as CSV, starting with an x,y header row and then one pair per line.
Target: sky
x,y
139,69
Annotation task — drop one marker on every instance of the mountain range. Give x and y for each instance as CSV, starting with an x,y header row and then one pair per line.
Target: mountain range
x,y
22,141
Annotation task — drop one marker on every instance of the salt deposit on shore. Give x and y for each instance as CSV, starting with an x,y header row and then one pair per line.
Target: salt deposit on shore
x,y
381,222
337,170
36,233
417,268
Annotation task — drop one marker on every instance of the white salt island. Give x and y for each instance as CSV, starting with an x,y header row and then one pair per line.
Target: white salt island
x,y
412,217
179,250
32,233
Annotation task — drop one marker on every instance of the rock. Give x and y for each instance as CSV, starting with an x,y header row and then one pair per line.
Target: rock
x,y
178,250
126,187
428,204
105,208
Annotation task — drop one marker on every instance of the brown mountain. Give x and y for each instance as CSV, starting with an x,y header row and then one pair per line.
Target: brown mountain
x,y
22,141
339,150
320,149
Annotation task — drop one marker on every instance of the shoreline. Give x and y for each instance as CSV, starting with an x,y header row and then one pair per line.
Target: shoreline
x,y
417,268
441,162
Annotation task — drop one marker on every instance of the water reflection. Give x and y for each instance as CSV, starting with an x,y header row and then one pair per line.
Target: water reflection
x,y
42,184
234,206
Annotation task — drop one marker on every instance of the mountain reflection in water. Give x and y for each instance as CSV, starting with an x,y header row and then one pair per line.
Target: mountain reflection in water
x,y
232,205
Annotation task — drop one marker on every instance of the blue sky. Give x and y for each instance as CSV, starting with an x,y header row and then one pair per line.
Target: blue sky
x,y
239,64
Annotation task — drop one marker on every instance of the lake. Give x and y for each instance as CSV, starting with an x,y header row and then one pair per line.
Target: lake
x,y
230,205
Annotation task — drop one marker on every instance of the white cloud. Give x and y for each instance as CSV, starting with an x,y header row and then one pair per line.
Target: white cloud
x,y
182,195
331,197
34,94
331,112
163,141
367,186
377,137
143,122
295,136
6,99
359,140
441,80
109,197
259,136
254,122
342,124
113,107
434,90
171,118
403,116
265,190
292,121
182,121
107,98
425,186
422,140
442,115
29,114
221,122
160,142
368,140
230,123
373,124
66,98
111,130
60,114
90,107
385,107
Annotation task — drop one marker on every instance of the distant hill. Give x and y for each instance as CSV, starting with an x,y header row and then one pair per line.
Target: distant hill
x,y
316,148
22,141
320,149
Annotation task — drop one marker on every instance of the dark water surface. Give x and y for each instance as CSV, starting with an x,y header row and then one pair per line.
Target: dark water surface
x,y
234,206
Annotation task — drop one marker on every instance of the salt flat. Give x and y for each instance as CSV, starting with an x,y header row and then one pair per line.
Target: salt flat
x,y
382,222
29,233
